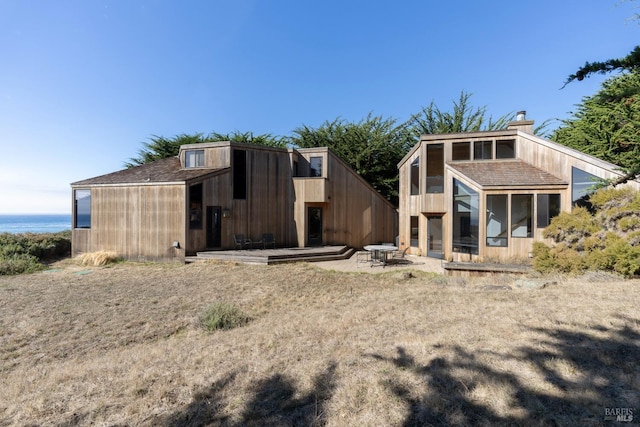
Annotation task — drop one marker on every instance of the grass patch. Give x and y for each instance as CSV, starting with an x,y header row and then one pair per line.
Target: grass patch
x,y
99,258
222,315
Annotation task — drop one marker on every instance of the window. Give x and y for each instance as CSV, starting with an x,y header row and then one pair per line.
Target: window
x,y
465,219
582,186
195,207
239,174
482,150
414,232
435,168
82,208
315,166
415,176
497,220
522,215
506,149
461,151
194,158
548,208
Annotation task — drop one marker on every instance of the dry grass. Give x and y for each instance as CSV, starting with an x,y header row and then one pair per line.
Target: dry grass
x,y
98,259
122,345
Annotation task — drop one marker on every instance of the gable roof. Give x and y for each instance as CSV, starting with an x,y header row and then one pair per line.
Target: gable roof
x,y
160,171
508,173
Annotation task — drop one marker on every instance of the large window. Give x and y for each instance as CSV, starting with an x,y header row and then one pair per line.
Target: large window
x,y
482,150
195,207
435,168
415,176
506,149
315,166
465,218
82,208
414,232
194,158
548,207
581,186
497,220
239,174
461,151
522,215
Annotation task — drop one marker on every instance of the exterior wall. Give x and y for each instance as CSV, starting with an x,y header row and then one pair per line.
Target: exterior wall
x,y
138,222
267,208
546,155
354,214
142,221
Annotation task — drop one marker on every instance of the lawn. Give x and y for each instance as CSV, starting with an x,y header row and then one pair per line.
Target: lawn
x,y
123,345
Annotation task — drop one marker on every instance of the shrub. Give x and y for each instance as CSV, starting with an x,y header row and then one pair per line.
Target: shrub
x,y
222,315
25,253
19,264
608,239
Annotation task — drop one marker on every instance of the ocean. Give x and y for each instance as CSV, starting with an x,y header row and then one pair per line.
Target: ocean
x,y
34,223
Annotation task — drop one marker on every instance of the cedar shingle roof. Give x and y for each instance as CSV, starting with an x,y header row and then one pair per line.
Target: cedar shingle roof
x,y
165,170
510,173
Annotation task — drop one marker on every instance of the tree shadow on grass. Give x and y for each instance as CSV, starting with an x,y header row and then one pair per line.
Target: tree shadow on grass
x,y
274,403
582,375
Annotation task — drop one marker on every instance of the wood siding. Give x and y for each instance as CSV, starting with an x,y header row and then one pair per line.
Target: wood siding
x,y
354,214
545,155
137,222
142,221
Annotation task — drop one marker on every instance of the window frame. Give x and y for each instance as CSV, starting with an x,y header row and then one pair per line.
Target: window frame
x,y
544,207
239,174
195,212
435,183
501,238
414,174
414,231
317,168
529,218
483,150
197,155
455,154
501,143
79,211
465,226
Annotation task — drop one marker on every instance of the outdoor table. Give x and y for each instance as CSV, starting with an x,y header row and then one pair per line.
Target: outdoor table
x,y
380,253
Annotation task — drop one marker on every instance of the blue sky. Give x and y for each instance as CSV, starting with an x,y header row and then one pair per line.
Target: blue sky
x,y
84,83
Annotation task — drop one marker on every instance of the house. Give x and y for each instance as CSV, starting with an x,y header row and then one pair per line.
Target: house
x,y
486,196
211,192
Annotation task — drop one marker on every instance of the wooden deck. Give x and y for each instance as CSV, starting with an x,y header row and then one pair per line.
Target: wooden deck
x,y
276,256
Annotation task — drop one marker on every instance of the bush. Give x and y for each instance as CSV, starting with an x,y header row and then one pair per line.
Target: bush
x,y
26,253
608,239
19,264
223,315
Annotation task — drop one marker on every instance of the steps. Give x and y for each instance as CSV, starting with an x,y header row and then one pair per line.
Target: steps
x,y
276,256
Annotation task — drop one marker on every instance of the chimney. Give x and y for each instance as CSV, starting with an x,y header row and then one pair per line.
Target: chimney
x,y
521,123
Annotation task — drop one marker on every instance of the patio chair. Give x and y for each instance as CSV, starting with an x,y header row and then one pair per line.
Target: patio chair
x,y
241,242
363,257
268,239
399,257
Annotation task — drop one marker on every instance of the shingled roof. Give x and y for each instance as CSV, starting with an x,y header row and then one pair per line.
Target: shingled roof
x,y
160,171
510,173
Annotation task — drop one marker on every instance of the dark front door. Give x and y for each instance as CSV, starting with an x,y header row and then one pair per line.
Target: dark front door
x,y
314,226
214,226
434,237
